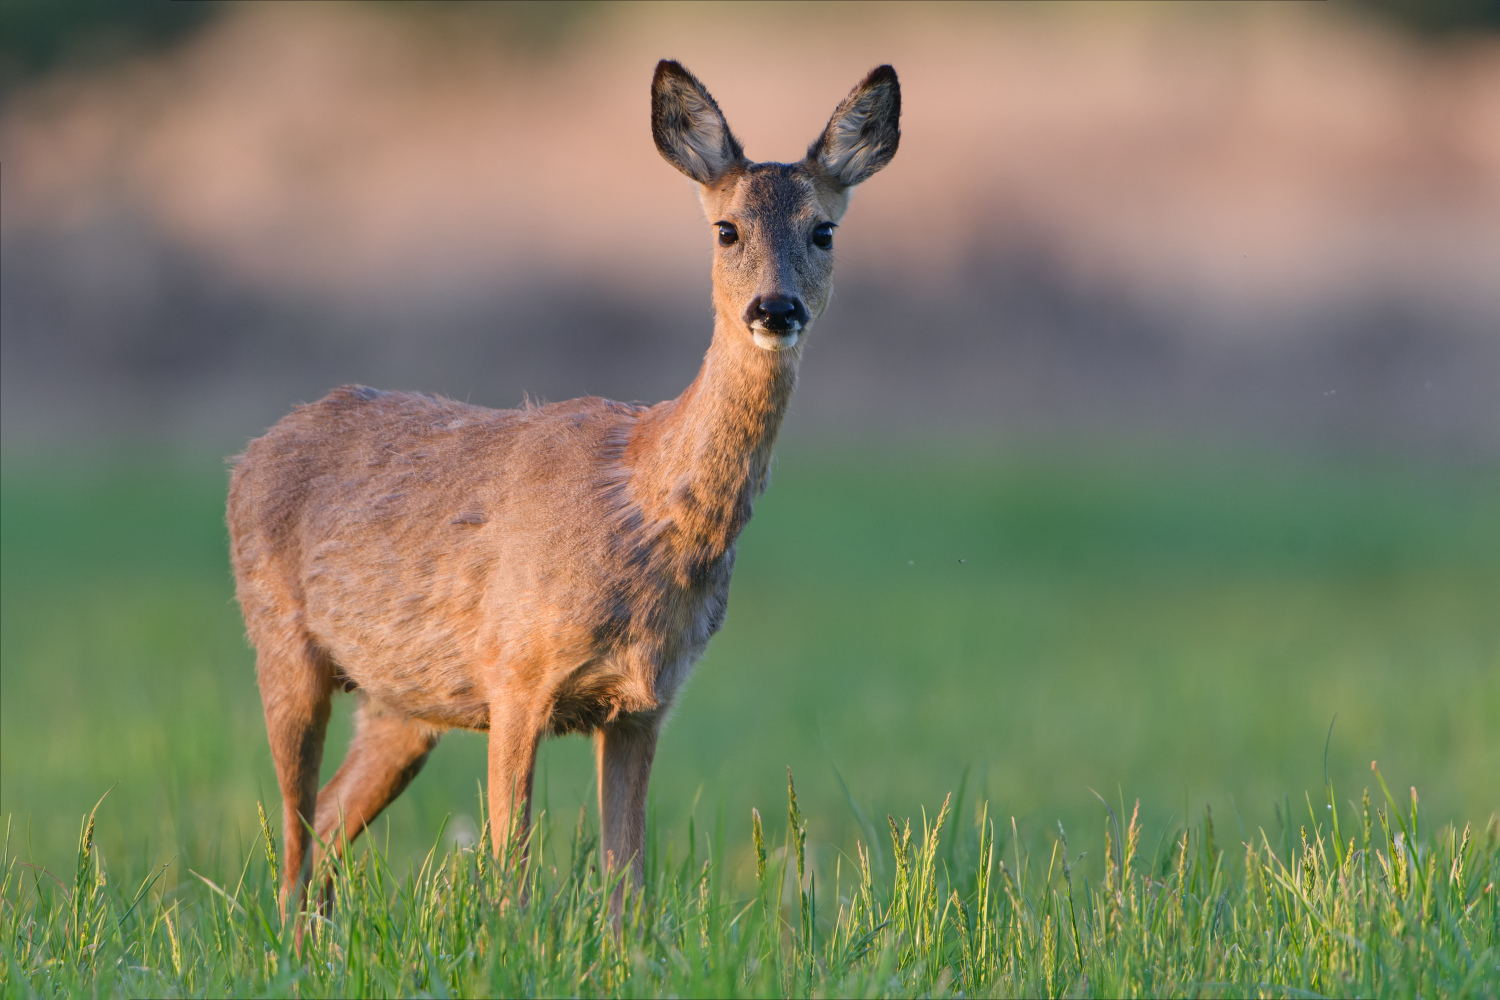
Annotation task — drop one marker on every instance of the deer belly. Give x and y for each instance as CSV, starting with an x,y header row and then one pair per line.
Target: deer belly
x,y
445,695
427,669
414,653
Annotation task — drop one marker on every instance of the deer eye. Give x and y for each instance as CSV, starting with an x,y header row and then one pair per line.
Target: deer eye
x,y
728,235
823,236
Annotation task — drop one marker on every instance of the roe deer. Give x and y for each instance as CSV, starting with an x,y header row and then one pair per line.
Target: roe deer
x,y
552,569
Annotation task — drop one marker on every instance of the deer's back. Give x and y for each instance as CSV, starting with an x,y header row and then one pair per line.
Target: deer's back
x,y
431,549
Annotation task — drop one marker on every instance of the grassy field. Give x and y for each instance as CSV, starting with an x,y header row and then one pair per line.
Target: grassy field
x,y
1017,630
1389,912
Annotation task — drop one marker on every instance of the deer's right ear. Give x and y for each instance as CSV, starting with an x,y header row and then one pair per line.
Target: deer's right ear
x,y
689,128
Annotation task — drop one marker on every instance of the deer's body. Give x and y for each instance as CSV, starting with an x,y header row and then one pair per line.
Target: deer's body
x,y
546,570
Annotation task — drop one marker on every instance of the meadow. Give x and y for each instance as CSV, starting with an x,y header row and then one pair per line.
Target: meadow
x,y
1222,638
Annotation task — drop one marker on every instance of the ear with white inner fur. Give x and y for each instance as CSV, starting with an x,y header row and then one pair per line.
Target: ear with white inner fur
x,y
864,131
689,128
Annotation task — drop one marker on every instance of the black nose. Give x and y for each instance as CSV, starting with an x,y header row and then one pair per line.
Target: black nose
x,y
778,313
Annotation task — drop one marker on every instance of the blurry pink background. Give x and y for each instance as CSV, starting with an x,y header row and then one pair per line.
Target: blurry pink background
x,y
1274,223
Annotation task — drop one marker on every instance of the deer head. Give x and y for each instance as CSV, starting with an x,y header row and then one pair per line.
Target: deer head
x,y
773,223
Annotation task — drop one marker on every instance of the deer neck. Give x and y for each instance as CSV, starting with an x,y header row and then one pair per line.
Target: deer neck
x,y
699,461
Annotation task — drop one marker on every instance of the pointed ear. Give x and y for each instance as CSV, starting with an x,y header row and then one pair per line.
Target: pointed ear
x,y
689,128
863,133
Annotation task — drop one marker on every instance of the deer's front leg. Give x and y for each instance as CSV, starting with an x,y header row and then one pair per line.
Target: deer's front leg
x,y
514,737
624,750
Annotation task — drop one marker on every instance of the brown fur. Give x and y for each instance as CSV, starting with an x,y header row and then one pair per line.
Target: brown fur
x,y
546,570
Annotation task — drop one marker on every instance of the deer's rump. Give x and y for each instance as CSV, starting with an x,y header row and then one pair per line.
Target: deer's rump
x,y
430,551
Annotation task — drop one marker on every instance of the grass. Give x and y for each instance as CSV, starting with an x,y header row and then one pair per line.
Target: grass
x,y
1016,629
1389,911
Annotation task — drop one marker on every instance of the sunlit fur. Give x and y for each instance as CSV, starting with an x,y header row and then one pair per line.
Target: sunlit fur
x,y
544,570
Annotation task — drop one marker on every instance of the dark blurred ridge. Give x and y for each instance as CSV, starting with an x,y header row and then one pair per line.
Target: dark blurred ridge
x,y
166,346
37,36
1438,18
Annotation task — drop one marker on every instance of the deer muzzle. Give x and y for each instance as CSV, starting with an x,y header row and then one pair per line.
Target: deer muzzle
x,y
776,321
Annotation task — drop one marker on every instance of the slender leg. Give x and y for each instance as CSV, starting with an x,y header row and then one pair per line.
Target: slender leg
x,y
296,690
388,750
624,750
514,737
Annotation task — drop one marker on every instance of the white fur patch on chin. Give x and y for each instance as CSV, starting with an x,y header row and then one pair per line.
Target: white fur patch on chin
x,y
768,341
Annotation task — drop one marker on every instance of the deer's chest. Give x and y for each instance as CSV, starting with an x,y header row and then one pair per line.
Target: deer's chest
x,y
645,649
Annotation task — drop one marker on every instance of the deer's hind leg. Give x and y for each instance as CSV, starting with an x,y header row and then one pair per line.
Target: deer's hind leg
x,y
296,690
388,750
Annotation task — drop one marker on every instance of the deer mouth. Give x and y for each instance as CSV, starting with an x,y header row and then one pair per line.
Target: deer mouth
x,y
776,340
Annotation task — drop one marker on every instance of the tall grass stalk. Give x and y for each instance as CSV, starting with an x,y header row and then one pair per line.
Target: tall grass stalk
x,y
1401,907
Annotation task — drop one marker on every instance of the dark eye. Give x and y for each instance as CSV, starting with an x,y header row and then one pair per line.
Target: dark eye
x,y
728,235
823,236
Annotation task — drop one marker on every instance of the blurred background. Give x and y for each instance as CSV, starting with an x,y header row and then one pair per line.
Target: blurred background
x,y
1155,422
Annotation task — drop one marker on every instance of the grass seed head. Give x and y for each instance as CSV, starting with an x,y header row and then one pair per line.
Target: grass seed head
x,y
269,839
760,848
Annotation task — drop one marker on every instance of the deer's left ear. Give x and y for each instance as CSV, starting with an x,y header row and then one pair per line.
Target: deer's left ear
x,y
863,133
